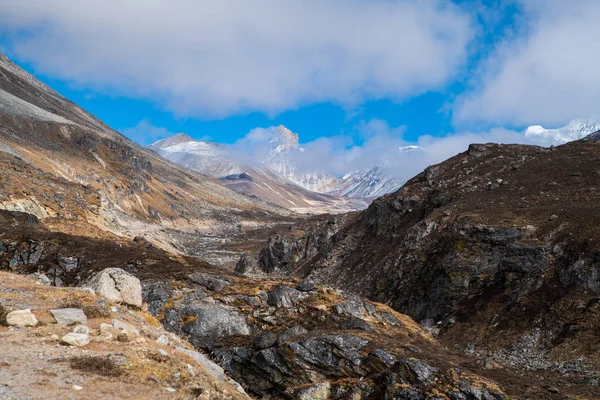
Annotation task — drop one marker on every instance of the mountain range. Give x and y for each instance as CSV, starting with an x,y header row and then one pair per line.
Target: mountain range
x,y
276,177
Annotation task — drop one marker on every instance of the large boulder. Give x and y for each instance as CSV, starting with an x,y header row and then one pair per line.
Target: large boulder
x,y
285,296
203,320
118,286
21,318
69,316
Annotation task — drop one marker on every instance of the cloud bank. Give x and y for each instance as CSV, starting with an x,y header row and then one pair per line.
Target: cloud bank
x,y
219,58
546,75
382,145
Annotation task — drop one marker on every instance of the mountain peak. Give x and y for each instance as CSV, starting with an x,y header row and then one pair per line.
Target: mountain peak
x,y
284,140
574,130
172,141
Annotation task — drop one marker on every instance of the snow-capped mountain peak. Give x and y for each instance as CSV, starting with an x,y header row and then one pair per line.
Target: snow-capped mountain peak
x,y
283,140
575,130
410,149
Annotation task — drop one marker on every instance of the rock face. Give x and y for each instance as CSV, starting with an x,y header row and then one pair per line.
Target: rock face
x,y
450,252
281,342
117,285
21,318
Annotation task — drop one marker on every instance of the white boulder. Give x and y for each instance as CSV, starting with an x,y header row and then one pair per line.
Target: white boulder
x,y
118,286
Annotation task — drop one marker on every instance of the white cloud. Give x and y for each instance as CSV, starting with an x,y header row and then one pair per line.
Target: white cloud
x,y
547,75
145,133
340,154
218,58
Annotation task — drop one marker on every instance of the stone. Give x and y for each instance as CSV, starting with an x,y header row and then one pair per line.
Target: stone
x,y
77,387
213,283
68,264
211,367
69,316
266,340
118,286
285,296
123,337
318,391
244,264
41,278
76,339
356,323
164,340
387,358
354,307
553,217
292,332
21,318
156,294
81,329
305,286
212,320
122,326
421,370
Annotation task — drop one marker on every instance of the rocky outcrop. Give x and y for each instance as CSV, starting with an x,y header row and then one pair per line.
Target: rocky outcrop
x,y
281,342
118,286
485,248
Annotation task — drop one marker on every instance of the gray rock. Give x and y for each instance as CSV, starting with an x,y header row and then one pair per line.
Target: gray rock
x,y
76,339
387,358
41,278
69,316
68,264
356,323
245,264
212,368
329,351
552,217
292,332
266,340
355,307
318,391
214,283
250,300
118,286
285,296
305,286
211,321
156,294
422,371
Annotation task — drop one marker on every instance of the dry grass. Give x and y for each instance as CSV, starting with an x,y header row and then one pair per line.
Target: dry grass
x,y
96,365
150,320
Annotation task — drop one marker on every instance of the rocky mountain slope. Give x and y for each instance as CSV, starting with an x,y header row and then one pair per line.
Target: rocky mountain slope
x,y
495,249
277,337
77,175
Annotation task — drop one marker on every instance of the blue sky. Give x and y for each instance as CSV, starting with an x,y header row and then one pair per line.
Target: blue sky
x,y
407,71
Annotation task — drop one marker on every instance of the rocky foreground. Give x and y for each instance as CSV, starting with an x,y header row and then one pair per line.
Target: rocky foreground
x,y
278,338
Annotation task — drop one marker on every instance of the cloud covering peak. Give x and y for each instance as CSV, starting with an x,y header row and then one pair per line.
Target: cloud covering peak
x,y
210,59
